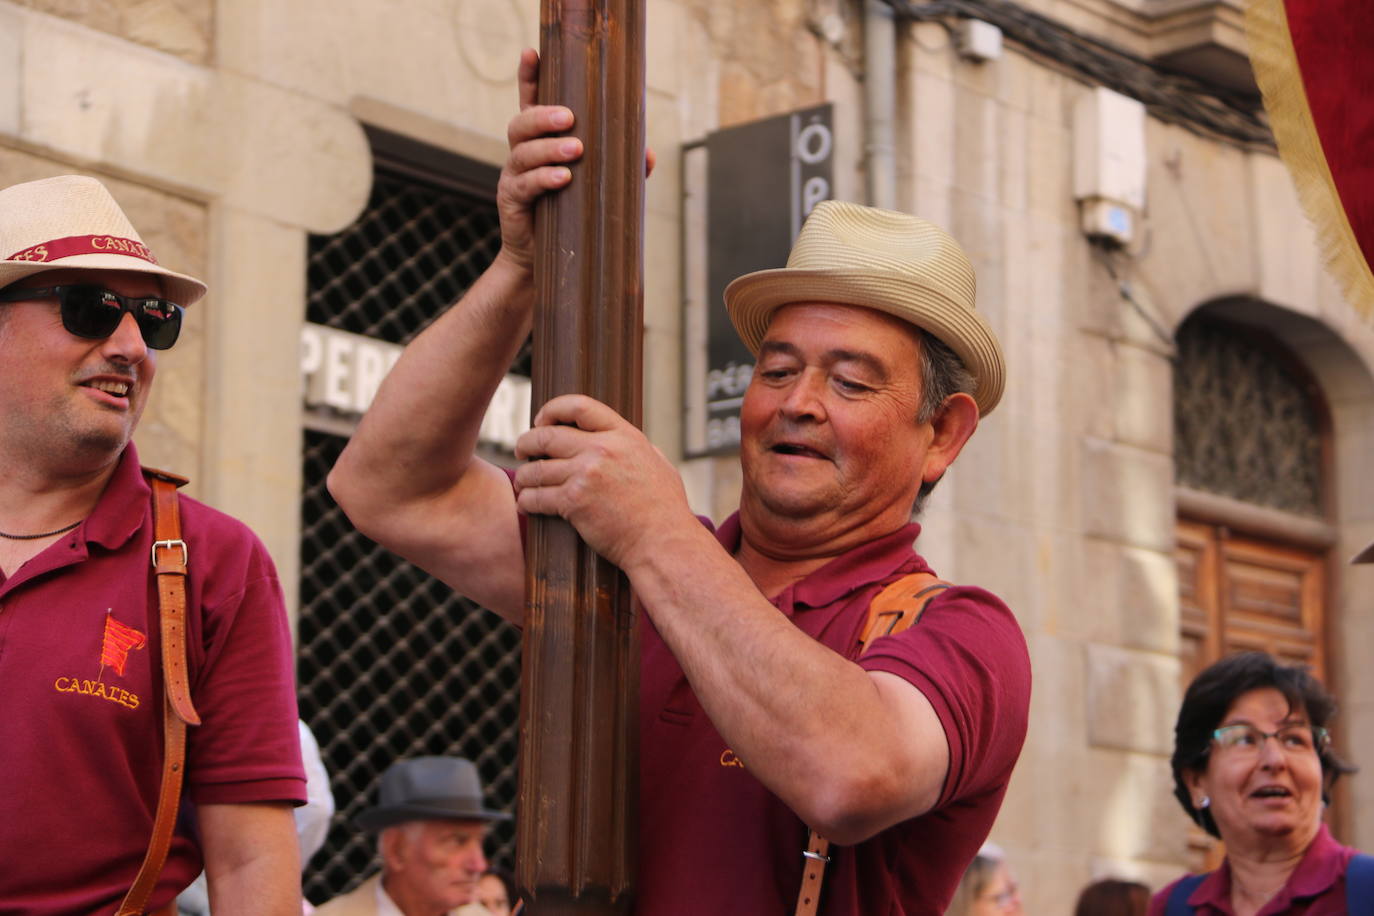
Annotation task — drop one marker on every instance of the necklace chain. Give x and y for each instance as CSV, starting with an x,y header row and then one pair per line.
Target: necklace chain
x,y
45,534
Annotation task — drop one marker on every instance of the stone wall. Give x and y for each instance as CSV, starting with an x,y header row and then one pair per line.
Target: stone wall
x,y
232,131
184,28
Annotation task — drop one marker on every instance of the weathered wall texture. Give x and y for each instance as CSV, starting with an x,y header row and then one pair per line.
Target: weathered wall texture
x,y
184,28
232,130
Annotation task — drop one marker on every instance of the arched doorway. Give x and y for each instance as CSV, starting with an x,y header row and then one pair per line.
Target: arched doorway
x,y
1253,453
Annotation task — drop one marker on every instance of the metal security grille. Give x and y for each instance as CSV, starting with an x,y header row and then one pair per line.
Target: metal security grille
x,y
391,663
1247,423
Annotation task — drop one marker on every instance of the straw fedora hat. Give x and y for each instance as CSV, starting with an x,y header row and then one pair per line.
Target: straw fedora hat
x,y
893,262
428,789
71,221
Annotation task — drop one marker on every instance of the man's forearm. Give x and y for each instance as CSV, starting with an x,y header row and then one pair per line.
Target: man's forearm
x,y
843,750
419,435
409,478
259,888
252,860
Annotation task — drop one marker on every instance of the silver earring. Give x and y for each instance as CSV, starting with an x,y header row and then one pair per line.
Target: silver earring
x,y
1206,802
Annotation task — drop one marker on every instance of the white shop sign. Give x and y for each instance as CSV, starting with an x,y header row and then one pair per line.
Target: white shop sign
x,y
341,372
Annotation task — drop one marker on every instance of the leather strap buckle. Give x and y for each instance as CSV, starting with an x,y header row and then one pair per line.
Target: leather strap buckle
x,y
171,545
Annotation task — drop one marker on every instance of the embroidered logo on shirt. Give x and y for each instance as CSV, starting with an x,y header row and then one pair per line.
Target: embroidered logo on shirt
x,y
729,758
119,640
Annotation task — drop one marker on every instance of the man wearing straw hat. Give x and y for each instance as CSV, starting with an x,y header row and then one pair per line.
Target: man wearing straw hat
x,y
84,311
430,822
757,719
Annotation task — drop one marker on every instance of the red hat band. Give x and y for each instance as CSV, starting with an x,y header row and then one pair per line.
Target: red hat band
x,y
84,244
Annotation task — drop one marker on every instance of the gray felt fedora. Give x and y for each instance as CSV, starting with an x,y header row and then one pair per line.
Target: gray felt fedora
x,y
425,789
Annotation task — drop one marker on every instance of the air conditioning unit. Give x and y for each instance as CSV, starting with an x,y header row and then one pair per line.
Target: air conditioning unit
x,y
1109,164
978,40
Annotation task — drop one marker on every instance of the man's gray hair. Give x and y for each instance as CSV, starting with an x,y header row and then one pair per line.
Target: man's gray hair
x,y
942,374
408,829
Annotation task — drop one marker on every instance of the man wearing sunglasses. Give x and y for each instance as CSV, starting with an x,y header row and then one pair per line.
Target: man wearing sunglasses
x,y
85,309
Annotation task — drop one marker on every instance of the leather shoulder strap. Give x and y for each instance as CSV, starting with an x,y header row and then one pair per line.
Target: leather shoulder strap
x,y
892,610
169,560
152,474
900,605
1359,884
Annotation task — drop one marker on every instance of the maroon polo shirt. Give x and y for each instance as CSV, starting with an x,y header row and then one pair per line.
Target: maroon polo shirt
x,y
714,840
81,681
1316,887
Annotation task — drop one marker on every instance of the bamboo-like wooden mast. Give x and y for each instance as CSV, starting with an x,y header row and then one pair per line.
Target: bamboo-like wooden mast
x,y
579,774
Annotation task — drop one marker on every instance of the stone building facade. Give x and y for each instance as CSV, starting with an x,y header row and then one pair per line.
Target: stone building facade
x,y
240,133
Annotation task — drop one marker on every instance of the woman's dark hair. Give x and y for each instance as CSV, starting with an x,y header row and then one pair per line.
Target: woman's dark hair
x,y
508,880
1216,689
1113,897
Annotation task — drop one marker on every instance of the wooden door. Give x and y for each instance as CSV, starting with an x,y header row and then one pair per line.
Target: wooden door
x,y
1239,593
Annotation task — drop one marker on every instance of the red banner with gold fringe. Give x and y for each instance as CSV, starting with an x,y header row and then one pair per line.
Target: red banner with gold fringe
x,y
1314,67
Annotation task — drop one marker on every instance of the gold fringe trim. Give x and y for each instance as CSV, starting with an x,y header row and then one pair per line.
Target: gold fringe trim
x,y
1280,81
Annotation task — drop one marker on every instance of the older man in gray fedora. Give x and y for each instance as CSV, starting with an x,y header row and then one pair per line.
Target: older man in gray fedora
x,y
758,718
430,823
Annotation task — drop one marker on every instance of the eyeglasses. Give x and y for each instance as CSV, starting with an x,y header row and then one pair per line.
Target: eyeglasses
x,y
1006,898
93,312
1294,739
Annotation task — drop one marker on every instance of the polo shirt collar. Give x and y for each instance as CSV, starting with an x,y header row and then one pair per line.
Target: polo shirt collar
x,y
123,506
1318,870
849,572
1321,866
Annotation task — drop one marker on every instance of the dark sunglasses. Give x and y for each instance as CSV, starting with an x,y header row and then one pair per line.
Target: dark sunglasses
x,y
94,312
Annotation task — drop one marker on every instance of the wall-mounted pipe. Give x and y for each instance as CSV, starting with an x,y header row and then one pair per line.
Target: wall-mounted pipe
x,y
880,80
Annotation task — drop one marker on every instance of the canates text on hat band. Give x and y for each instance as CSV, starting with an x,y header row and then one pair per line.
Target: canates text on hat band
x,y
83,244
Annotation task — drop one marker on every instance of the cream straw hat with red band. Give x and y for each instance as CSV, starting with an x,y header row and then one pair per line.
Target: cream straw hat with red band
x,y
72,222
893,262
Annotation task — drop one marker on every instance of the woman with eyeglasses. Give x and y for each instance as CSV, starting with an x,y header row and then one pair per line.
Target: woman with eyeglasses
x,y
987,887
1253,766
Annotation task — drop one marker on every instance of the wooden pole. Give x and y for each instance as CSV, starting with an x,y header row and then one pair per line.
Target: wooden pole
x,y
575,838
